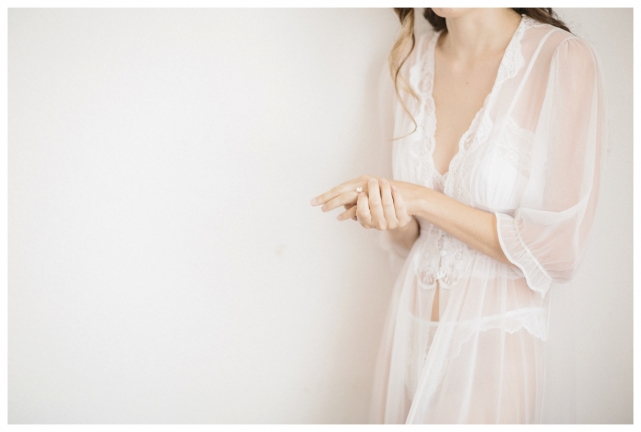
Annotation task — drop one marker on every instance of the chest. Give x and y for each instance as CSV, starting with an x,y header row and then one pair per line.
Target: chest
x,y
459,91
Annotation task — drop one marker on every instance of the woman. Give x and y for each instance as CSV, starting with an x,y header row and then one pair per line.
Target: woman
x,y
500,127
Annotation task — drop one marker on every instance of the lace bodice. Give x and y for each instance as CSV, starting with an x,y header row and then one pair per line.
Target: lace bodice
x,y
501,160
442,257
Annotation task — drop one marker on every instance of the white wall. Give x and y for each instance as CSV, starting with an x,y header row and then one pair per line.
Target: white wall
x,y
603,288
164,263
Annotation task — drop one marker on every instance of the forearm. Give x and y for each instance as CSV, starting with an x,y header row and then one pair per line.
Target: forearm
x,y
475,227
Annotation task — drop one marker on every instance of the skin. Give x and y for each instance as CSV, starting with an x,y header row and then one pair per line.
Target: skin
x,y
467,57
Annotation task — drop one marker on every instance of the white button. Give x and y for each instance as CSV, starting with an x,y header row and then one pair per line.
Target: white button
x,y
443,253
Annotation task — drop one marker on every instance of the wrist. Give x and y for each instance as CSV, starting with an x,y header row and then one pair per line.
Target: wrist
x,y
419,204
415,196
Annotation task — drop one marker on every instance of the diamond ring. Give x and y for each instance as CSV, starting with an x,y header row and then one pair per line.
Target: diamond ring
x,y
359,189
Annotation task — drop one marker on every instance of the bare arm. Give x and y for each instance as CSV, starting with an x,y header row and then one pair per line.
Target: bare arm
x,y
475,227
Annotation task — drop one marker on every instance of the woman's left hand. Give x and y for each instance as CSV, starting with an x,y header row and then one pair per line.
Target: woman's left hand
x,y
344,194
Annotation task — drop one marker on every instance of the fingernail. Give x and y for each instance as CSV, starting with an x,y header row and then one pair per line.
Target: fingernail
x,y
313,202
324,207
394,188
383,181
372,180
339,217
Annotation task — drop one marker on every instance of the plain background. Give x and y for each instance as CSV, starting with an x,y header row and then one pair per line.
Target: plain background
x,y
165,265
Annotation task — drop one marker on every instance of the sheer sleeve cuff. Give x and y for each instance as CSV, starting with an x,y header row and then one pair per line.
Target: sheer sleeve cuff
x,y
519,255
394,250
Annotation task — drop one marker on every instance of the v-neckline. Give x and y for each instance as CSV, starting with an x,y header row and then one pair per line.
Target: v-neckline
x,y
430,98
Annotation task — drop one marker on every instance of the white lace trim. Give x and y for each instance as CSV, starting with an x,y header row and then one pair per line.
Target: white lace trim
x,y
440,257
422,144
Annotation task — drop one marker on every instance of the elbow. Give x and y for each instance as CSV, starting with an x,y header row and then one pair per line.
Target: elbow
x,y
563,271
543,259
541,274
540,270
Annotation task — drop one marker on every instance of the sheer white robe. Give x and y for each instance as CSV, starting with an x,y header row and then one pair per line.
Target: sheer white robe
x,y
532,156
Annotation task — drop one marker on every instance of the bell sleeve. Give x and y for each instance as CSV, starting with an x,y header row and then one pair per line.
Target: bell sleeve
x,y
546,235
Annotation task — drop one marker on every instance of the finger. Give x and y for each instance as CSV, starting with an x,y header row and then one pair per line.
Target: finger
x,y
349,206
376,209
330,194
399,205
349,214
363,214
389,211
340,189
343,199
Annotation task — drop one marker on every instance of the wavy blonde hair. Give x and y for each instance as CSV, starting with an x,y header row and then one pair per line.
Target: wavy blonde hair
x,y
403,47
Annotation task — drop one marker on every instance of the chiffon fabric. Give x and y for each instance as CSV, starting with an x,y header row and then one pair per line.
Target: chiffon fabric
x,y
532,156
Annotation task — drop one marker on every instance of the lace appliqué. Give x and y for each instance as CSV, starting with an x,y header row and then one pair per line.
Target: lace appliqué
x,y
441,258
420,142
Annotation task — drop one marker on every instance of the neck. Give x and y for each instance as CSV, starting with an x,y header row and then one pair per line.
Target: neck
x,y
479,32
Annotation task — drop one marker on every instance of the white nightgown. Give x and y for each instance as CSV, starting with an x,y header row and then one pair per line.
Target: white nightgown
x,y
532,156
